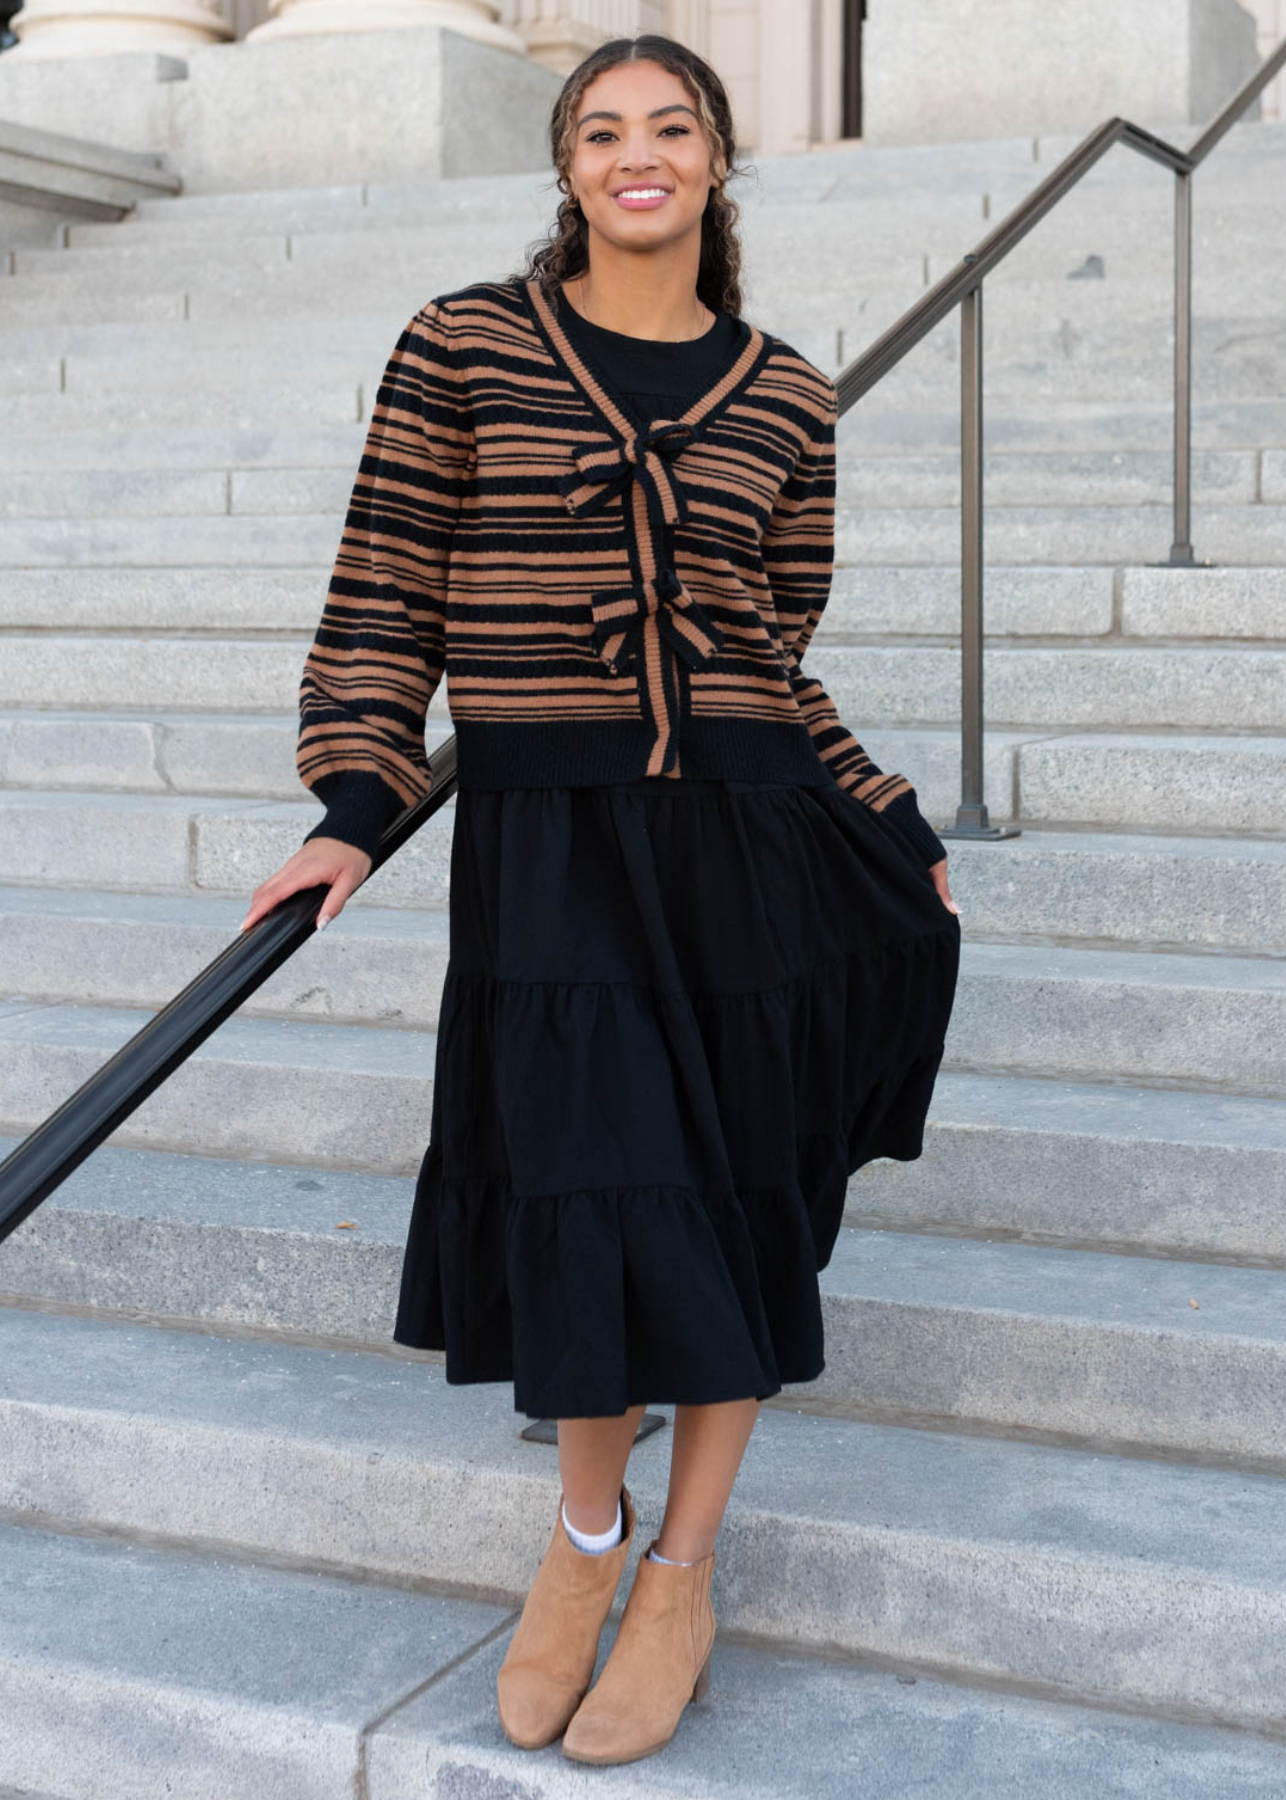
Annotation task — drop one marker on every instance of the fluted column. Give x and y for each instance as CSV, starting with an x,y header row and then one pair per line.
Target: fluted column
x,y
99,27
472,18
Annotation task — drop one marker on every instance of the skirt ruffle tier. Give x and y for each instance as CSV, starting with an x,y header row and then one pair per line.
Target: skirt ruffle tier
x,y
676,1017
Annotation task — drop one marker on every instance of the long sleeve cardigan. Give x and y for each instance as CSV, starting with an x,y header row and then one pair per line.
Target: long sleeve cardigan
x,y
607,598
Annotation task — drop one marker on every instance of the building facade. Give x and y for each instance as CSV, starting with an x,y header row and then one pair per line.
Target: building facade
x,y
886,71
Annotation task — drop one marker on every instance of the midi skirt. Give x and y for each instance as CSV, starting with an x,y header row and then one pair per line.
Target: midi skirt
x,y
677,1015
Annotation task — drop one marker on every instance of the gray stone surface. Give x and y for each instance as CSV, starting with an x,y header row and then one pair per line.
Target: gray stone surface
x,y
1097,1166
1047,71
1085,1013
776,1726
1219,603
256,1088
848,1729
1165,1171
1128,1351
1202,783
127,1670
204,753
332,403
997,1560
1111,685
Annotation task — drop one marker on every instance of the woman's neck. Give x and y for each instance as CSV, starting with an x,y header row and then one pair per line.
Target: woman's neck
x,y
666,316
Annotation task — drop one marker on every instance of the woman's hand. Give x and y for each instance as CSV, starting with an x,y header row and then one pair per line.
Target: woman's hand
x,y
938,871
321,862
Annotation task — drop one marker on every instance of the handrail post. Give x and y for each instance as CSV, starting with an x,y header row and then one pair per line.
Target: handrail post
x,y
1181,554
971,814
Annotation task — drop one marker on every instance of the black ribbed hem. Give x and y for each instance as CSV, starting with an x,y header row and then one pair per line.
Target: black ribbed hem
x,y
358,808
592,754
905,813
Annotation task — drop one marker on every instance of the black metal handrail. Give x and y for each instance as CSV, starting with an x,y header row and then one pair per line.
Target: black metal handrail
x,y
962,286
45,1158
31,1172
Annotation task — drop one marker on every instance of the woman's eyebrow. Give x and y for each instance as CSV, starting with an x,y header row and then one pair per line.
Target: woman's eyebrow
x,y
654,114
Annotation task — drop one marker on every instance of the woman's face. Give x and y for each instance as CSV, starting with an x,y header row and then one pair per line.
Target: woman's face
x,y
641,164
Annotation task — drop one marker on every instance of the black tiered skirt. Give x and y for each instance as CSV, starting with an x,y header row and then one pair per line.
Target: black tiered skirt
x,y
677,1015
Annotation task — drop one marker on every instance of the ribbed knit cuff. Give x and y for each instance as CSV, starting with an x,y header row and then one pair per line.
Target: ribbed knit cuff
x,y
905,813
358,808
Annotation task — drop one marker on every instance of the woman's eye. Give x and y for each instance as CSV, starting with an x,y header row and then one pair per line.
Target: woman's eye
x,y
602,132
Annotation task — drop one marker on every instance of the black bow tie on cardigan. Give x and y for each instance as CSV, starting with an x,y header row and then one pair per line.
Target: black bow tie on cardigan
x,y
620,614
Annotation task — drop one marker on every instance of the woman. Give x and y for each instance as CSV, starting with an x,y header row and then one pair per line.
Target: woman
x,y
702,950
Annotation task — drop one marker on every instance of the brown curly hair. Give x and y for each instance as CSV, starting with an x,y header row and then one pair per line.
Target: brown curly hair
x,y
564,254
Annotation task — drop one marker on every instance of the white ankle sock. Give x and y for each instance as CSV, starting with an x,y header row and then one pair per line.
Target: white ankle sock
x,y
670,1559
594,1543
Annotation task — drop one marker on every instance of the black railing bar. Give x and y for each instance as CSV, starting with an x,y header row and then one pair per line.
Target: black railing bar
x,y
927,312
919,319
44,1159
1229,116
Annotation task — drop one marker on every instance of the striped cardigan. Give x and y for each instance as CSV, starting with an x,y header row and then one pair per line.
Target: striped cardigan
x,y
607,599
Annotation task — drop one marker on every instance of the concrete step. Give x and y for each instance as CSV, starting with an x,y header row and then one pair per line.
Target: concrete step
x,y
1063,425
1090,888
981,196
1207,687
316,1253
1063,686
1012,479
1004,1562
1203,1021
1021,600
138,950
436,208
307,1092
1051,308
1056,534
1245,535
1090,1165
418,1700
1122,1352
1236,357
1136,232
1058,421
216,754
1084,1014
264,1087
97,1646
1102,334
329,403
1127,1352
1157,781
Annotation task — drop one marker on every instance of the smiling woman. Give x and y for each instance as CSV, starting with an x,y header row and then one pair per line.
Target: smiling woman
x,y
702,950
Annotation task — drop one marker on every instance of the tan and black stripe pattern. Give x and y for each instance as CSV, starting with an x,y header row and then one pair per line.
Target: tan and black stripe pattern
x,y
606,599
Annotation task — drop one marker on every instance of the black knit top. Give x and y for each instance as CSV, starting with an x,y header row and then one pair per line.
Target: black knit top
x,y
656,379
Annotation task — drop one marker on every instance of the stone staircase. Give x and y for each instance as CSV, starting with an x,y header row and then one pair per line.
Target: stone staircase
x,y
1024,1534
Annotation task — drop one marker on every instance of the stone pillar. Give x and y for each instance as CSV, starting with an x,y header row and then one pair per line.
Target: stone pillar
x,y
471,18
105,27
555,33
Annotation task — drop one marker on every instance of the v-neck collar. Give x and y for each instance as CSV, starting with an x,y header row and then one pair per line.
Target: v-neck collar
x,y
753,353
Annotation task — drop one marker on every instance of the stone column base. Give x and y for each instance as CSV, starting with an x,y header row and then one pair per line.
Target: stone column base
x,y
68,28
295,18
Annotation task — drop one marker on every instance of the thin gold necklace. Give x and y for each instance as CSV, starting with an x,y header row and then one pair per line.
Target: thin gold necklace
x,y
579,306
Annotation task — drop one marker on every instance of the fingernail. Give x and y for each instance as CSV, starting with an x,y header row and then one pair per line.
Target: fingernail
x,y
323,922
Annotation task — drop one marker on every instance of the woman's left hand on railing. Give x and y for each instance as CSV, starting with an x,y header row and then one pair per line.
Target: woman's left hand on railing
x,y
321,862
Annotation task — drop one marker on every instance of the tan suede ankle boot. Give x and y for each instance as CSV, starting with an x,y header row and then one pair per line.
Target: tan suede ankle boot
x,y
552,1652
660,1661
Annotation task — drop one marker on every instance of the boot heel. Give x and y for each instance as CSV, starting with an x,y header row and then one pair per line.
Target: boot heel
x,y
703,1678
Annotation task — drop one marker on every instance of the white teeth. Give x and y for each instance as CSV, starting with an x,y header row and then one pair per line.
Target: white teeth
x,y
640,193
